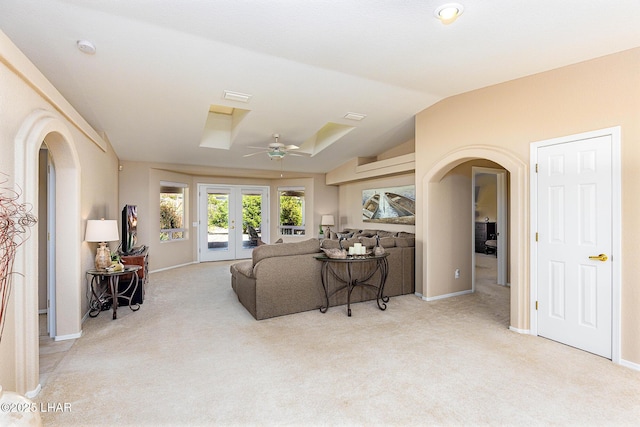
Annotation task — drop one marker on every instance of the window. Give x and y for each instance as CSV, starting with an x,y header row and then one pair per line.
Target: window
x,y
172,215
291,207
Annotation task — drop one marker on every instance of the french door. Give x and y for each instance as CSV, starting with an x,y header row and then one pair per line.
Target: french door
x,y
232,220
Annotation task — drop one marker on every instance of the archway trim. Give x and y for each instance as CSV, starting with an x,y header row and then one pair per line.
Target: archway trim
x,y
35,128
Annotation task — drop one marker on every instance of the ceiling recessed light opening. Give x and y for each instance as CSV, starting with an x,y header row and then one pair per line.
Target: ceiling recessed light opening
x,y
449,12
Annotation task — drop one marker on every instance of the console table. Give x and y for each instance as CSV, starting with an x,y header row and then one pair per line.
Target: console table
x,y
100,293
342,271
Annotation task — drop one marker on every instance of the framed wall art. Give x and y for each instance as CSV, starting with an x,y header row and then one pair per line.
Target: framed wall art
x,y
391,205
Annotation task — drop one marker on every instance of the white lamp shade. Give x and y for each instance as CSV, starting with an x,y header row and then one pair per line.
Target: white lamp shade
x,y
327,220
101,230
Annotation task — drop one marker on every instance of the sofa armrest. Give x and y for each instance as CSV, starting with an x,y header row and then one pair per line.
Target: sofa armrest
x,y
286,285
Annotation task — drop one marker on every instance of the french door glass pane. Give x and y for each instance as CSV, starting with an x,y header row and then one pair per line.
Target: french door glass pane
x,y
218,221
251,219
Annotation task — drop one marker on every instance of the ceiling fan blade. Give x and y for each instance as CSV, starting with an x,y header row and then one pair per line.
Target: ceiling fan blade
x,y
253,154
298,154
290,147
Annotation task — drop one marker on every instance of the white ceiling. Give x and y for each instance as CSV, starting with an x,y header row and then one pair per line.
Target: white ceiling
x,y
160,65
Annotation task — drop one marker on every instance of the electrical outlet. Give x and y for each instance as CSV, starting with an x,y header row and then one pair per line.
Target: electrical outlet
x,y
457,273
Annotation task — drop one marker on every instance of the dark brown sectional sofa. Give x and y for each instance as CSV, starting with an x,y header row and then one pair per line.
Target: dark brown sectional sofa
x,y
285,278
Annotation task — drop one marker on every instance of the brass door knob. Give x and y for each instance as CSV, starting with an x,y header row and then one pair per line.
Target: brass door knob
x,y
601,257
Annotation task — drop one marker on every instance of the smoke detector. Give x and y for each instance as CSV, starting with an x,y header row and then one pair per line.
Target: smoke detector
x,y
86,46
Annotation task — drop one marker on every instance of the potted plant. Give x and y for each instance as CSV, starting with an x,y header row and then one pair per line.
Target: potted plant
x,y
15,220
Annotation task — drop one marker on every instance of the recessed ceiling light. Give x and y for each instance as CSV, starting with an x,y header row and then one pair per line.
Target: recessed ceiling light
x,y
236,96
449,12
355,116
86,46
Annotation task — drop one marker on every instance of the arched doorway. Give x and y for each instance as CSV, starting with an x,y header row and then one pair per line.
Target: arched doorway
x,y
42,126
518,229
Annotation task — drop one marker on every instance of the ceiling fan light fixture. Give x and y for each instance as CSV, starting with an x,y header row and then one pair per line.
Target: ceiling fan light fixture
x,y
448,12
276,154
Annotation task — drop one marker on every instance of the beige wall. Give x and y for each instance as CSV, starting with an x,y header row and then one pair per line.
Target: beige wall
x,y
505,119
26,95
399,150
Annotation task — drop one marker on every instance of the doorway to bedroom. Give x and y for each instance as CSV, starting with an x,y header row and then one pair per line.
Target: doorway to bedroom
x,y
489,216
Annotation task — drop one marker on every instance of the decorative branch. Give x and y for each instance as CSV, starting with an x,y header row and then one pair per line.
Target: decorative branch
x,y
15,220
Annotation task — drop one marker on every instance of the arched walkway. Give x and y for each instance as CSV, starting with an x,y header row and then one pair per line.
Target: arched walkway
x,y
39,126
518,223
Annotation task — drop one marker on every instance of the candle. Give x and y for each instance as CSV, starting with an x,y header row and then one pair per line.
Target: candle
x,y
352,250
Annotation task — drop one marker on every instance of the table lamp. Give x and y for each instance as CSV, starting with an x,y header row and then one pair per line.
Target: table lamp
x,y
102,231
328,221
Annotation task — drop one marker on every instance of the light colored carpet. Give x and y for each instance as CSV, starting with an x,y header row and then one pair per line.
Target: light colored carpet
x,y
194,356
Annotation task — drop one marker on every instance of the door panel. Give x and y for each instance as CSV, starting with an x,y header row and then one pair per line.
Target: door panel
x,y
251,232
215,224
574,223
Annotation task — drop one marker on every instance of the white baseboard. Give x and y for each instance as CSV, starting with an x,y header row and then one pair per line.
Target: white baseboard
x,y
33,393
173,266
418,294
67,337
455,294
520,331
631,365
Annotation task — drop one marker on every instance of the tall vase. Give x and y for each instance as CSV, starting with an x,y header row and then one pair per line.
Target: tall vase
x,y
378,250
17,410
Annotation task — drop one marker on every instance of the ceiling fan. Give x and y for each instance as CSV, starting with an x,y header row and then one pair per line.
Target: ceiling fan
x,y
276,150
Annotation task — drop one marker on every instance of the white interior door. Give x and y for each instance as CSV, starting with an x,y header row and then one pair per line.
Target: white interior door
x,y
574,216
232,220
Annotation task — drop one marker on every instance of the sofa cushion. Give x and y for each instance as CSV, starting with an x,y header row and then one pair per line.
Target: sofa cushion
x,y
284,249
331,244
369,232
338,235
351,230
383,233
405,234
243,267
385,242
405,242
368,242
